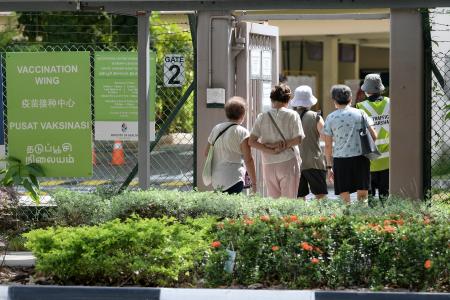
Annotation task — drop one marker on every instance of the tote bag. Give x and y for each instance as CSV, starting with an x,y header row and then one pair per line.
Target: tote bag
x,y
207,167
368,147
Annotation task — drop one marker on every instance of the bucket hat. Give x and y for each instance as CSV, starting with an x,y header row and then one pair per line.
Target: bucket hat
x,y
372,84
303,97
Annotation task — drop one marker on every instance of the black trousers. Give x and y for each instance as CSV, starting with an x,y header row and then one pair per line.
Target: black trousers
x,y
379,181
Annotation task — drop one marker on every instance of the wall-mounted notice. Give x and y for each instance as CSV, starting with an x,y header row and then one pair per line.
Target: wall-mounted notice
x,y
266,64
266,102
174,70
116,96
255,63
49,111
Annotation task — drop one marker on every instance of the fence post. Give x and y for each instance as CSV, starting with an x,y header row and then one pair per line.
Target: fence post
x,y
143,99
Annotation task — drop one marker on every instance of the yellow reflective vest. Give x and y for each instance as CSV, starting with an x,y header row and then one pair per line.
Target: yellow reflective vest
x,y
379,111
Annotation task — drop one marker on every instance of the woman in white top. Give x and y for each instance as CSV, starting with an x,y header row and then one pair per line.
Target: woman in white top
x,y
277,134
231,150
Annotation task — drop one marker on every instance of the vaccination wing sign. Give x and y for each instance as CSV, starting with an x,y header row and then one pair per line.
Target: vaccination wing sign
x,y
116,95
49,111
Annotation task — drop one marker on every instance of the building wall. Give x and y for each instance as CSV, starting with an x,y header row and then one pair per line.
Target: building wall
x,y
374,58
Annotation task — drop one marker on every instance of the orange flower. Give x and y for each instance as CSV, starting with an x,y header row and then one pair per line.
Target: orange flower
x,y
426,220
248,222
333,216
293,218
387,222
317,249
265,218
427,264
306,246
315,260
389,229
232,221
275,248
216,244
322,219
400,222
220,225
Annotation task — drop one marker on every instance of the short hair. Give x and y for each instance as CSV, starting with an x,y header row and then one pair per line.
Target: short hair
x,y
342,94
235,108
281,93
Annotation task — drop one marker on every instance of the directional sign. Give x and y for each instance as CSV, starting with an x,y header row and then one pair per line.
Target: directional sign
x,y
174,70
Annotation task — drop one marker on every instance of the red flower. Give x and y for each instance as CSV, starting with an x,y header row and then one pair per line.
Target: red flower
x,y
389,229
305,246
315,260
428,263
275,248
216,244
265,218
293,218
248,222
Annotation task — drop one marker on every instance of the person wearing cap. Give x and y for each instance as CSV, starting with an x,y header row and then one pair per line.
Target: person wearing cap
x,y
378,108
313,174
346,164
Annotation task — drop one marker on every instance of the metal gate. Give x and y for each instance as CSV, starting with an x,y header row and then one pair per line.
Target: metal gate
x,y
437,118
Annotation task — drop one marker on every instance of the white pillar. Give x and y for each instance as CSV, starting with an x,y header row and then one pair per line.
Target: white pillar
x,y
330,72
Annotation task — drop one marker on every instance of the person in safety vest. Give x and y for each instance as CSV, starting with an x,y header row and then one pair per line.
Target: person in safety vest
x,y
378,108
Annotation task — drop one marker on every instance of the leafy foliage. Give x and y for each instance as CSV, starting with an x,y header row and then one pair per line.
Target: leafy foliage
x,y
94,209
18,174
146,252
336,252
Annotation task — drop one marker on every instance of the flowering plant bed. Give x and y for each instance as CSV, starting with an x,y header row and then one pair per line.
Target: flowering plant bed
x,y
322,251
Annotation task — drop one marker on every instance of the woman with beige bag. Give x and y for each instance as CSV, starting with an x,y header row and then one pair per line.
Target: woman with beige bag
x,y
277,134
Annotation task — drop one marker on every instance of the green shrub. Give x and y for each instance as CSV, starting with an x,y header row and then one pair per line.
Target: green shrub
x,y
145,252
80,208
336,252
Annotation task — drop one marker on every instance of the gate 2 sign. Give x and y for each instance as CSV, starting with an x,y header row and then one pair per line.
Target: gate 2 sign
x,y
49,111
174,70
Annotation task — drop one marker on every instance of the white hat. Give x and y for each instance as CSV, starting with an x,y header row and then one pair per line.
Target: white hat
x,y
303,97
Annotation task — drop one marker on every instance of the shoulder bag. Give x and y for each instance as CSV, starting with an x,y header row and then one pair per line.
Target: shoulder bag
x,y
368,147
207,168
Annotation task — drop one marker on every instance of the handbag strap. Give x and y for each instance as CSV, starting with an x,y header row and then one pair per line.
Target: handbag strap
x,y
276,126
222,132
303,114
363,122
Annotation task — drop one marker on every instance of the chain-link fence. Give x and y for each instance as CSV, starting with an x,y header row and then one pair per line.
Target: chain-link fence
x,y
438,108
172,154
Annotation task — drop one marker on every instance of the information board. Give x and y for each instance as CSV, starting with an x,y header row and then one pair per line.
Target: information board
x,y
116,95
49,111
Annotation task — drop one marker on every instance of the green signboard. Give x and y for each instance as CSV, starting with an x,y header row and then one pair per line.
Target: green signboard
x,y
49,111
116,95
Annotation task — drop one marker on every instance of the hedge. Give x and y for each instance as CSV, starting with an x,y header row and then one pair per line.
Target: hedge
x,y
287,252
336,252
74,208
136,251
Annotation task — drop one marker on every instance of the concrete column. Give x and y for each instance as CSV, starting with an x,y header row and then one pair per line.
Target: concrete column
x,y
221,77
407,108
330,72
143,103
356,65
